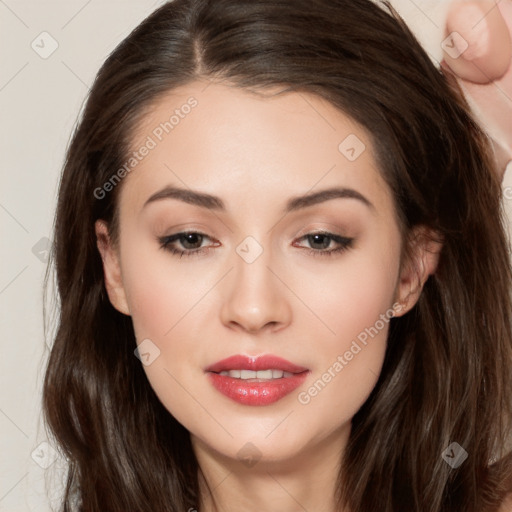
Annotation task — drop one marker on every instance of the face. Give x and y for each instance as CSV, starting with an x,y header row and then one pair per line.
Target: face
x,y
290,262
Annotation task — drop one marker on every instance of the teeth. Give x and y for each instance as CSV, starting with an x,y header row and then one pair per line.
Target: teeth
x,y
260,374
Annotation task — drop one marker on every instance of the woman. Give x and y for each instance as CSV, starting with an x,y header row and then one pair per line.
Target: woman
x,y
283,273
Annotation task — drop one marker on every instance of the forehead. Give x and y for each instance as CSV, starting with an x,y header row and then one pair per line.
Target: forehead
x,y
231,142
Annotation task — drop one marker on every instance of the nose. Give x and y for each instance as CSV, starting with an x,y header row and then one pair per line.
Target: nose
x,y
254,297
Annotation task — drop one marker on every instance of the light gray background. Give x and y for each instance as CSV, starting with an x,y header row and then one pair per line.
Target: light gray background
x,y
40,99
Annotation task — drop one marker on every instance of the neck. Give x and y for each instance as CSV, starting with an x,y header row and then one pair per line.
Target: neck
x,y
307,481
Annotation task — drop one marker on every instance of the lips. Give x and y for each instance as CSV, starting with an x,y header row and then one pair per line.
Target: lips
x,y
256,380
240,362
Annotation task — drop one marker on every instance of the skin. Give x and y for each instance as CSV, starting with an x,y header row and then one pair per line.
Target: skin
x,y
255,153
484,68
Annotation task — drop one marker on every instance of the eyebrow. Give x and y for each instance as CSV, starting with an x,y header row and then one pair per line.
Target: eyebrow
x,y
211,202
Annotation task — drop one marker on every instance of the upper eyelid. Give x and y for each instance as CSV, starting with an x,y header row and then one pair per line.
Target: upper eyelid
x,y
310,232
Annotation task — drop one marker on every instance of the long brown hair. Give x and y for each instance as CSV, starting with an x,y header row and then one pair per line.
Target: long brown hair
x,y
447,371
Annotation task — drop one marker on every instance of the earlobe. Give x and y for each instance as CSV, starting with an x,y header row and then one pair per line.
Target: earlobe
x,y
422,260
111,268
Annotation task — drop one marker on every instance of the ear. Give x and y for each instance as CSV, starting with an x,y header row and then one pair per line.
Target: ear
x,y
421,260
111,268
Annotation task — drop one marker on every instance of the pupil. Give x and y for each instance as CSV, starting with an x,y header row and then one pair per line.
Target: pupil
x,y
191,238
323,244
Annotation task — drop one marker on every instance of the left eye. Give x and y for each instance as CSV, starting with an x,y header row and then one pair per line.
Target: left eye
x,y
192,243
322,240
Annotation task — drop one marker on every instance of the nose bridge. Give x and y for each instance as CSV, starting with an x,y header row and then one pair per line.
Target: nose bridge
x,y
255,298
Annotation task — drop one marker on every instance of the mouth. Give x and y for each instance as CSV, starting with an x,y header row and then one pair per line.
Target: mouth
x,y
256,380
251,375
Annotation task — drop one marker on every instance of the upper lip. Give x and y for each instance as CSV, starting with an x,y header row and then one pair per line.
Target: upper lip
x,y
255,363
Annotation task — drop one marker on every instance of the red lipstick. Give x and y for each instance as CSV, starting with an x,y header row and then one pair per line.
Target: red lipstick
x,y
256,380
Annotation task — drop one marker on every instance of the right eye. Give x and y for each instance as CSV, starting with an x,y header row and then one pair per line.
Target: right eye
x,y
186,239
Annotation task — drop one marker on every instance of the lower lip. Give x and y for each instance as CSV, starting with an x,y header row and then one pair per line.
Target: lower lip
x,y
256,393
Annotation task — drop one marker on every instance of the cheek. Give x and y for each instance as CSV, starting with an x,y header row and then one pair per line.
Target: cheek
x,y
348,297
167,304
160,290
355,303
171,305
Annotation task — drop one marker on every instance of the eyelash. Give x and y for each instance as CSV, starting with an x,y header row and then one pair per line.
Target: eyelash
x,y
166,241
